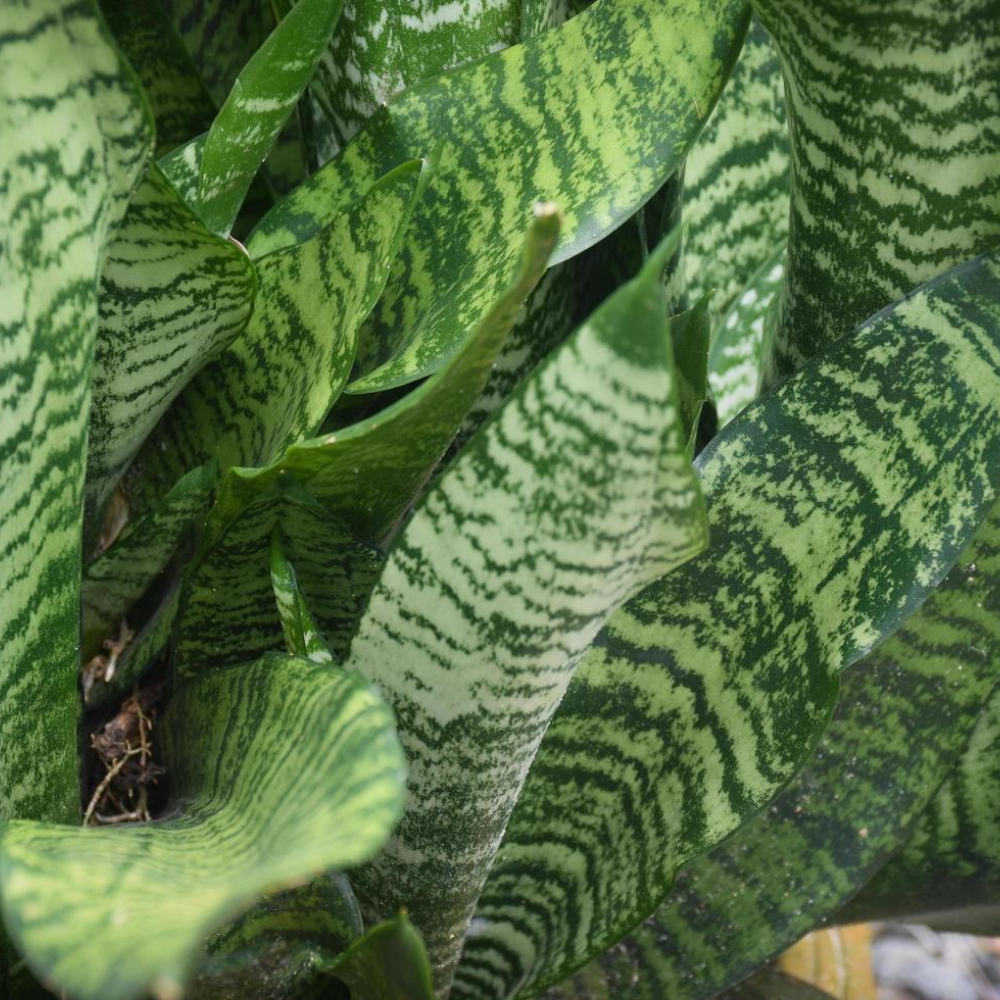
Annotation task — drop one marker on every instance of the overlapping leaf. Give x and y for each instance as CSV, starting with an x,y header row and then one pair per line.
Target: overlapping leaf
x,y
173,297
835,505
508,568
895,151
280,769
574,124
75,137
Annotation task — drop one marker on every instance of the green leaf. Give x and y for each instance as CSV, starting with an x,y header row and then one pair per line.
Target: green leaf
x,y
596,69
367,474
76,134
279,769
904,716
302,635
948,873
229,612
690,332
734,361
736,179
555,541
275,384
275,948
181,106
388,963
263,96
889,188
114,581
173,297
836,504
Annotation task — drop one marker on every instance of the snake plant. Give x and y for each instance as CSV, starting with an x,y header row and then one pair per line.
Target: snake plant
x,y
496,499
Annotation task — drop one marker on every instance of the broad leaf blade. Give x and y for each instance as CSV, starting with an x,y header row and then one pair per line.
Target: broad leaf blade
x,y
75,137
280,769
597,69
706,692
555,542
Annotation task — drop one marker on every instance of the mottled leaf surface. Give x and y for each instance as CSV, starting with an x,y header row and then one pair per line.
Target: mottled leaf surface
x,y
508,568
565,116
75,137
835,506
280,769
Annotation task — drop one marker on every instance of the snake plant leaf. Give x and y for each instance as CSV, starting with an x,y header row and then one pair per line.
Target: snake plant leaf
x,y
181,106
737,351
281,769
275,948
275,384
380,49
67,167
465,236
263,96
948,873
229,612
302,635
690,332
173,297
388,963
772,984
368,474
887,192
114,581
835,505
474,675
737,179
904,716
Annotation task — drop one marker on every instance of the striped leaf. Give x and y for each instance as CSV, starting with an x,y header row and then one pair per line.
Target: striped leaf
x,y
302,635
948,873
114,581
181,106
173,297
508,568
835,506
229,612
75,137
598,69
367,474
264,95
736,179
690,332
904,716
275,384
734,361
894,111
281,769
275,948
388,963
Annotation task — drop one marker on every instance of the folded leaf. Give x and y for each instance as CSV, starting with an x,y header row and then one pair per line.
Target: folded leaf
x,y
75,138
173,297
302,634
736,179
836,504
275,384
367,474
263,96
905,714
554,542
114,581
388,963
596,69
279,769
889,185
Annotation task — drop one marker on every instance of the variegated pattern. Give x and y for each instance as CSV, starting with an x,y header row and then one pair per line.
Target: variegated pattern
x,y
173,297
596,72
835,506
280,769
75,138
895,117
510,565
